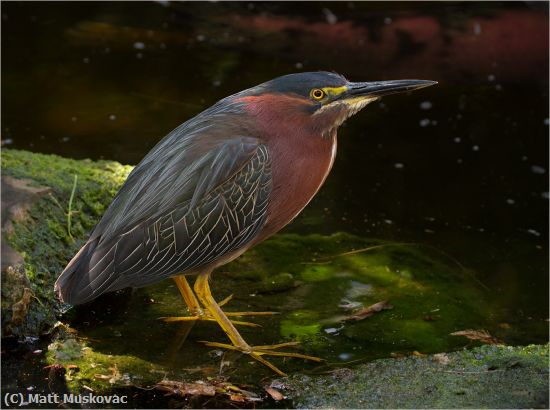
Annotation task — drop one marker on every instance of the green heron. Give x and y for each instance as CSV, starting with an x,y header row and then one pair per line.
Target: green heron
x,y
217,185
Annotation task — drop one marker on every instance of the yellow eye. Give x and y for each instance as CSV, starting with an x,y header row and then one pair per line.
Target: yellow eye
x,y
317,94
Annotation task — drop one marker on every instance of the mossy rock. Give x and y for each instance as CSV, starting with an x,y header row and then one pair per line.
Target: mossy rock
x,y
43,237
464,379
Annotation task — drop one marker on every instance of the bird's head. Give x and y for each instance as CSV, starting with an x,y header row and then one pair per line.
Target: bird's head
x,y
320,101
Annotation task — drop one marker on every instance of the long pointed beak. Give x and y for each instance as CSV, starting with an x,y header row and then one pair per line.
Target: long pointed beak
x,y
382,88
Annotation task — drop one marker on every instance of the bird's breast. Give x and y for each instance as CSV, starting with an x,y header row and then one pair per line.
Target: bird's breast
x,y
299,169
301,157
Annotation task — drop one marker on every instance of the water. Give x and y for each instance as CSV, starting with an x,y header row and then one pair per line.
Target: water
x,y
462,167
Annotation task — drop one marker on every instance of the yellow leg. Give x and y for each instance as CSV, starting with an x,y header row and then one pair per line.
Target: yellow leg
x,y
188,295
197,312
202,289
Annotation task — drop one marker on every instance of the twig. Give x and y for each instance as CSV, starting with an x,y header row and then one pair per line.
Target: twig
x,y
37,299
55,201
70,211
470,372
461,266
370,248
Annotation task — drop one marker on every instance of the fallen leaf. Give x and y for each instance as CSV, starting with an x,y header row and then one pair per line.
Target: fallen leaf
x,y
275,394
20,308
101,377
232,388
72,369
112,378
236,397
482,335
211,387
418,354
186,389
369,311
205,369
441,358
115,376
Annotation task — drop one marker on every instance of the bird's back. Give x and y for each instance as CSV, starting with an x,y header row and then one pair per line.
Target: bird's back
x,y
199,195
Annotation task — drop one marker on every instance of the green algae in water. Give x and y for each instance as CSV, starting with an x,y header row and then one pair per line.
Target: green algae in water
x,y
319,289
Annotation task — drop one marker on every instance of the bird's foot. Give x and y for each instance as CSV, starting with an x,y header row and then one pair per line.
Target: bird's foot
x,y
257,352
203,316
227,299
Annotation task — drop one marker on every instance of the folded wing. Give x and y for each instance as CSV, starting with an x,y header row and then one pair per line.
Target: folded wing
x,y
174,214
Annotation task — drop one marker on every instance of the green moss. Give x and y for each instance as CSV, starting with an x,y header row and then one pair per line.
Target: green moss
x,y
278,283
316,273
301,325
87,367
43,238
484,377
431,295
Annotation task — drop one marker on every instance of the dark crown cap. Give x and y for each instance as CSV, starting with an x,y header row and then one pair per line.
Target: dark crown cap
x,y
299,83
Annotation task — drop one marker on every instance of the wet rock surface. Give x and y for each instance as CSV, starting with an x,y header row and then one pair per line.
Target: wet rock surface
x,y
37,239
20,313
484,377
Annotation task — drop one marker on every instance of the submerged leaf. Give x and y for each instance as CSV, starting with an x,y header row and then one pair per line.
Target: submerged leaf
x,y
237,397
441,358
210,388
186,389
482,335
369,311
275,394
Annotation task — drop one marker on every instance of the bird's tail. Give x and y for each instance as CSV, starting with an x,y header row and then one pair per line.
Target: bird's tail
x,y
74,278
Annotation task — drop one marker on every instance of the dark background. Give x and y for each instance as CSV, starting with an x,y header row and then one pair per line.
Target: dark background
x,y
462,166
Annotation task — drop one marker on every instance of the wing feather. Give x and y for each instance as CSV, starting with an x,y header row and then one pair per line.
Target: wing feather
x,y
183,220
